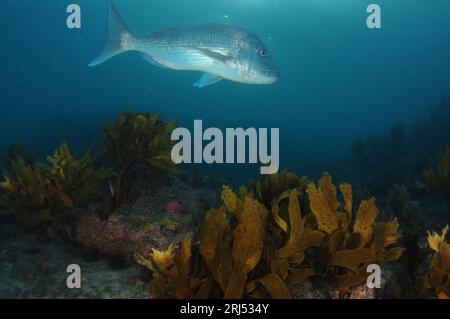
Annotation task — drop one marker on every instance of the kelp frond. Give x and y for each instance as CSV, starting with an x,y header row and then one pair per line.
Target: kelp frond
x,y
436,283
352,243
248,250
40,194
137,141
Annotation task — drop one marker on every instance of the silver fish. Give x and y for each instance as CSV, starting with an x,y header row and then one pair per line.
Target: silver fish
x,y
219,51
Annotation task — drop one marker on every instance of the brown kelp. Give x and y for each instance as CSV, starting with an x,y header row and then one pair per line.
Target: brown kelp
x,y
248,250
137,141
175,272
412,219
436,283
15,152
247,259
235,256
438,180
270,188
351,243
41,195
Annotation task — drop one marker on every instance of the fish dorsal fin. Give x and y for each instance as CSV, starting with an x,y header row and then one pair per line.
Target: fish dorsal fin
x,y
149,59
219,55
207,79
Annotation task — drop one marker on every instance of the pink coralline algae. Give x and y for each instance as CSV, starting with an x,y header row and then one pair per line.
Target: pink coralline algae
x,y
173,208
362,292
109,236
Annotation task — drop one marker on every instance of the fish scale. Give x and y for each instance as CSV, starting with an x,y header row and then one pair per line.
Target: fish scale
x,y
217,38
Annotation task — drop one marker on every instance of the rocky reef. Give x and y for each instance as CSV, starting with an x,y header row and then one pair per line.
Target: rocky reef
x,y
247,250
127,213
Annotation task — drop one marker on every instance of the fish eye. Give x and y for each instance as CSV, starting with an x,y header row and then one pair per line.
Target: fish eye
x,y
263,53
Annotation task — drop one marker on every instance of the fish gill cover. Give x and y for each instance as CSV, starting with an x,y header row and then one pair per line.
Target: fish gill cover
x,y
185,149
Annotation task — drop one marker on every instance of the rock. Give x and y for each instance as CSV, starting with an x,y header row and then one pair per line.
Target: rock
x,y
110,236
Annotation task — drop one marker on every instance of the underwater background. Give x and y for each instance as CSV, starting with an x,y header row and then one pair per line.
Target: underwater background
x,y
371,107
339,80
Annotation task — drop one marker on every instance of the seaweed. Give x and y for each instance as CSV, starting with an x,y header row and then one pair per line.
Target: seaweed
x,y
269,189
382,160
436,283
247,249
273,192
351,243
237,250
137,141
412,220
236,255
17,151
232,252
177,272
78,178
438,180
42,195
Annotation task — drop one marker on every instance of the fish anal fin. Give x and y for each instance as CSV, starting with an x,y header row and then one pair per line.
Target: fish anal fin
x,y
207,79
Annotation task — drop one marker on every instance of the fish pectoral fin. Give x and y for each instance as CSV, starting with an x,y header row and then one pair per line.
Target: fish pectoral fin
x,y
150,60
207,79
216,55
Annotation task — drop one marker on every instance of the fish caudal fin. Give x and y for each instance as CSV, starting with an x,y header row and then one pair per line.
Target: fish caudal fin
x,y
119,39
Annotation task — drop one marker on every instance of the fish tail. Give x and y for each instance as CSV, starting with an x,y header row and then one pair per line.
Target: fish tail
x,y
119,39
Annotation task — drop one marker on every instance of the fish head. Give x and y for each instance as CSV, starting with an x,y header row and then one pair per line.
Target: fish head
x,y
255,63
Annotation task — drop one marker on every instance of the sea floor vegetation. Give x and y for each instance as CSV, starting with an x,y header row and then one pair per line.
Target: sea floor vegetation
x,y
138,228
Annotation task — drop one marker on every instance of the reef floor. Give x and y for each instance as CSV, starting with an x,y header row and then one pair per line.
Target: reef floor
x,y
163,213
38,270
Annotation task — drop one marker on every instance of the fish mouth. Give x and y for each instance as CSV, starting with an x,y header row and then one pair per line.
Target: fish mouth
x,y
271,76
271,80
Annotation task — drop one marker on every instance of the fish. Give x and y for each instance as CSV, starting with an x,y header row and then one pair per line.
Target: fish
x,y
219,51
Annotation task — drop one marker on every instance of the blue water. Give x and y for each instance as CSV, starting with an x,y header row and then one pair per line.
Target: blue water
x,y
339,80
